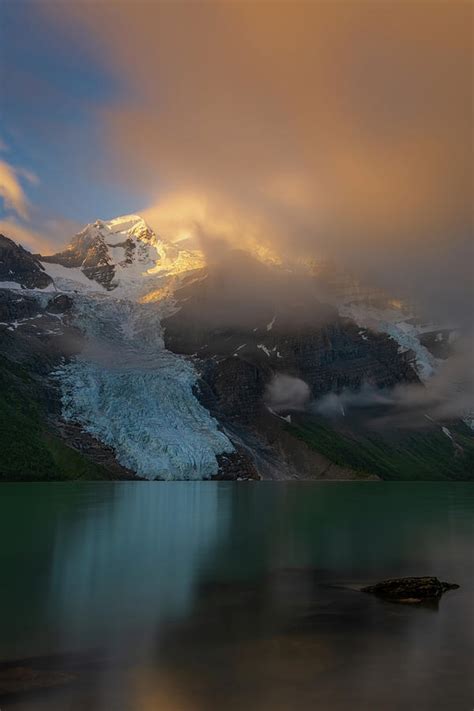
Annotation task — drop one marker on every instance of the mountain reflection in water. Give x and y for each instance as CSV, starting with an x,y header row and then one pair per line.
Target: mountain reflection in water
x,y
197,596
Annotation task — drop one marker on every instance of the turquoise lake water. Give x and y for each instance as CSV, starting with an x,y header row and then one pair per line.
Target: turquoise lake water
x,y
226,596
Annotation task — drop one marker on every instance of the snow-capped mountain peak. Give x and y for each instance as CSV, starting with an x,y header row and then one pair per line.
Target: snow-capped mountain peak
x,y
122,252
118,229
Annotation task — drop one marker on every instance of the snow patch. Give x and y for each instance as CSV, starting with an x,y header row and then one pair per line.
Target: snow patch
x,y
10,285
447,433
393,323
143,263
270,325
239,348
70,278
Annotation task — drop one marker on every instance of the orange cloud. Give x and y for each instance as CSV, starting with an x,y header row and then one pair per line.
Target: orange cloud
x,y
330,128
45,238
11,190
30,239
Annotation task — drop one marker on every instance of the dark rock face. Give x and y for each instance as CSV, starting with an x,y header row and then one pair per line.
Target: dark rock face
x,y
236,364
93,449
235,466
15,305
336,356
410,589
37,335
234,388
83,248
438,343
60,304
91,254
34,332
19,265
329,358
333,355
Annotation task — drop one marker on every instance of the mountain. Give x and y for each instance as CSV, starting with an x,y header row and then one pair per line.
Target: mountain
x,y
121,252
133,357
346,365
19,267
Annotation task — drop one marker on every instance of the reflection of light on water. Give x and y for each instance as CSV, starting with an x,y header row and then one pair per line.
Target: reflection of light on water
x,y
225,596
129,561
152,691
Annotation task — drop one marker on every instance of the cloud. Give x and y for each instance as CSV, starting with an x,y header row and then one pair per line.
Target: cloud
x,y
46,237
29,238
285,392
335,130
28,224
449,394
11,190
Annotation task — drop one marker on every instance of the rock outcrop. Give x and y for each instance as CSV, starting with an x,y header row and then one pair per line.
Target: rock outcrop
x,y
331,354
235,466
89,252
123,251
36,336
238,334
411,589
237,363
20,266
16,305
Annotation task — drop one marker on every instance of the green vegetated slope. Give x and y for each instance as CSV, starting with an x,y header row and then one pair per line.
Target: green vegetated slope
x,y
425,454
29,451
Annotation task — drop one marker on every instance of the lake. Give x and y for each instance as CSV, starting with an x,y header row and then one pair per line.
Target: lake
x,y
144,596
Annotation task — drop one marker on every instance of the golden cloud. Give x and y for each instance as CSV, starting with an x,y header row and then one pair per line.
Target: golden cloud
x,y
328,128
11,190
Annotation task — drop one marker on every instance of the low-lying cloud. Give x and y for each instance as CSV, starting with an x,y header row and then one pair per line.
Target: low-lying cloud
x,y
448,394
286,393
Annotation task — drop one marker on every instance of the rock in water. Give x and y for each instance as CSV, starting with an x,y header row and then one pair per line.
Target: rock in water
x,y
410,589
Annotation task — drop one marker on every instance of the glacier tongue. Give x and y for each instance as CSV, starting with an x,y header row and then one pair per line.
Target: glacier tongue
x,y
131,393
125,388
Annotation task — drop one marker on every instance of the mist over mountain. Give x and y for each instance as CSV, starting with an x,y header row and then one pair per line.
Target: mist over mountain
x,y
190,358
236,315
294,297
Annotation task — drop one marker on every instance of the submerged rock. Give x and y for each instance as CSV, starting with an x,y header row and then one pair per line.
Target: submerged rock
x,y
411,589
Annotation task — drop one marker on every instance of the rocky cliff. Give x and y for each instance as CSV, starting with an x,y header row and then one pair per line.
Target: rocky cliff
x,y
19,266
237,364
145,361
37,335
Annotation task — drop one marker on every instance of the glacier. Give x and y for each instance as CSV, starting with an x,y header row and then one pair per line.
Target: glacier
x,y
125,388
129,392
399,326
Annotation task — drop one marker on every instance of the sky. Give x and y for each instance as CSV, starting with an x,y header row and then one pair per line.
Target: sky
x,y
340,130
51,136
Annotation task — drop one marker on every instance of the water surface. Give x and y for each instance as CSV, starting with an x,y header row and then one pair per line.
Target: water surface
x,y
210,596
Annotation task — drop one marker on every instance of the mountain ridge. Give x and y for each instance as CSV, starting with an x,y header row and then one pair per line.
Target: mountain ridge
x,y
118,251
164,361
